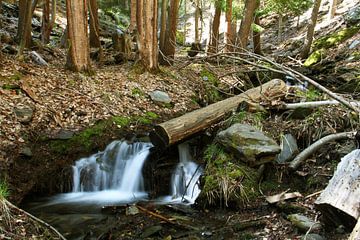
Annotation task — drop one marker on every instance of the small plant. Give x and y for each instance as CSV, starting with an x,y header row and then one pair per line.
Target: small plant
x,y
4,190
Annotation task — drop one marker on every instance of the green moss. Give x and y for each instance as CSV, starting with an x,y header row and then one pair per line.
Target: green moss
x,y
310,94
120,121
211,81
137,92
4,189
336,38
226,180
315,57
152,115
180,37
255,119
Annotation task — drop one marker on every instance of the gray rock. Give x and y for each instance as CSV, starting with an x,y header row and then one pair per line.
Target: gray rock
x,y
354,44
312,236
289,149
159,96
151,231
353,15
24,113
26,151
64,134
304,223
132,210
249,144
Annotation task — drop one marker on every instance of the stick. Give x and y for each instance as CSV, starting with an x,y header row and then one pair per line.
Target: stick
x,y
294,164
314,104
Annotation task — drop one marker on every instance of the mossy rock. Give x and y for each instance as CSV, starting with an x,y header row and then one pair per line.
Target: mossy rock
x,y
336,38
315,57
226,180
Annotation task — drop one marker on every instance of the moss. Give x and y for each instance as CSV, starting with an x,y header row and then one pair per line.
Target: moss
x,y
336,38
137,92
226,180
315,57
212,95
255,119
180,37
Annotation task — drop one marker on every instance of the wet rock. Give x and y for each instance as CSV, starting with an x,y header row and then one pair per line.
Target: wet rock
x,y
24,113
132,210
26,151
353,15
159,96
249,144
151,231
64,134
289,149
304,223
312,236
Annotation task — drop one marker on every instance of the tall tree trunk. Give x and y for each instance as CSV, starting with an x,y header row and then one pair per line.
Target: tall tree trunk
x,y
77,29
280,23
197,16
311,29
163,25
170,37
45,24
24,26
257,35
94,24
147,33
133,10
229,27
214,37
332,10
250,6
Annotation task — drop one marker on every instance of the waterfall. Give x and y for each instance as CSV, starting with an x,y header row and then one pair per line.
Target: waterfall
x,y
185,178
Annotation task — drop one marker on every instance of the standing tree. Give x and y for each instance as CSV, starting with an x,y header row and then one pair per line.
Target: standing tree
x,y
164,5
24,26
214,37
197,17
132,15
45,23
332,9
311,29
94,24
229,27
257,31
168,49
245,27
147,33
78,58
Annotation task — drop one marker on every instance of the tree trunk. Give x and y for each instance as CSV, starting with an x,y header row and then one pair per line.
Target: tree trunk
x,y
45,24
229,27
280,23
77,30
180,128
94,25
163,28
250,6
147,33
24,24
257,35
214,37
332,10
339,202
133,10
311,29
197,16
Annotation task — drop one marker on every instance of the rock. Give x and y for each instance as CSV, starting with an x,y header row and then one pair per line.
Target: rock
x,y
38,59
24,114
26,151
149,231
303,223
353,15
159,96
132,210
249,144
9,49
5,37
64,134
312,236
289,149
354,44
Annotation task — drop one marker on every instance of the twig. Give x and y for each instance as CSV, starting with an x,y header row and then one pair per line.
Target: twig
x,y
294,164
314,104
187,186
314,194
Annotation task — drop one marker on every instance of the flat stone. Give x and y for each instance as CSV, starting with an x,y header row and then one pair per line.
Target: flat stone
x,y
159,96
64,134
249,144
289,149
26,151
354,44
303,223
24,114
132,210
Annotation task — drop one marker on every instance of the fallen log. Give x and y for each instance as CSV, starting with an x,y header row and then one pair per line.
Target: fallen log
x,y
339,202
180,128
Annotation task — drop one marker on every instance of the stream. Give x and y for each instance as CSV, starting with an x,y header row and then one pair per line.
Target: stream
x,y
113,178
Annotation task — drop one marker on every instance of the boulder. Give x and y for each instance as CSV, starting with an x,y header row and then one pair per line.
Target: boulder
x,y
249,144
289,149
159,96
304,223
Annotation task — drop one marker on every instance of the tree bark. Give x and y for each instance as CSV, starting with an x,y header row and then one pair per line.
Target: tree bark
x,y
332,9
94,25
214,38
24,24
339,202
163,26
229,27
147,33
45,24
180,128
197,16
257,35
311,29
244,31
133,10
77,30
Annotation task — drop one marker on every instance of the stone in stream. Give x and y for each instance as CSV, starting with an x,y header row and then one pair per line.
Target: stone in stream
x,y
159,96
304,223
249,144
24,113
289,149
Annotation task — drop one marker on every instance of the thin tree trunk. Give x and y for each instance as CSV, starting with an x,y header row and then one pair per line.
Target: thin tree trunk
x,y
77,29
332,10
163,26
197,16
250,6
280,23
311,29
257,35
147,33
53,14
94,24
45,24
170,36
24,26
33,5
214,37
133,9
229,27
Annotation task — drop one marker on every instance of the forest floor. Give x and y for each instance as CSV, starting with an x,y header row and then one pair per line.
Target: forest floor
x,y
44,101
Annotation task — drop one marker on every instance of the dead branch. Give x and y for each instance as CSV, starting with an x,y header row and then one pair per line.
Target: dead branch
x,y
314,104
294,164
